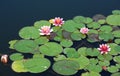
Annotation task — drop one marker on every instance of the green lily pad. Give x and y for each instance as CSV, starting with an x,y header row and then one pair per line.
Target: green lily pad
x,y
117,41
41,40
92,52
51,49
114,49
93,61
71,53
66,67
59,57
106,28
66,43
116,33
116,12
101,21
39,24
12,42
38,55
118,66
79,19
94,25
113,20
104,63
112,69
29,33
116,74
106,36
69,26
58,38
25,46
117,59
16,56
92,31
104,57
37,65
83,61
18,66
90,74
88,20
82,51
94,68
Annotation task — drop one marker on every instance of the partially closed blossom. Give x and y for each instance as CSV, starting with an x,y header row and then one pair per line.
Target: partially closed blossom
x,y
104,48
84,30
45,30
4,58
58,21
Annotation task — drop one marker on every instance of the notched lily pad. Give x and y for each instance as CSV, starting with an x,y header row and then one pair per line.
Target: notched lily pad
x,y
41,40
66,43
16,56
112,69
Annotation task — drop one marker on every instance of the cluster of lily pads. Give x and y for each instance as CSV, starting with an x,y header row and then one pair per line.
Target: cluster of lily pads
x,y
55,38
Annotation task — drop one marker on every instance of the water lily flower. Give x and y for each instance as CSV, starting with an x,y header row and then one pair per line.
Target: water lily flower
x,y
84,30
4,58
58,21
45,30
104,48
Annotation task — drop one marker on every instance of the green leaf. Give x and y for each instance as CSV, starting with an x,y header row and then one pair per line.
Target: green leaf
x,y
88,20
66,43
18,66
112,69
118,66
116,12
101,21
16,56
117,41
104,63
116,74
94,25
116,33
38,55
90,74
93,61
41,40
69,26
114,49
59,57
57,38
79,19
29,33
25,46
39,24
51,49
37,65
106,28
12,42
66,67
117,59
92,52
83,61
104,57
82,51
113,20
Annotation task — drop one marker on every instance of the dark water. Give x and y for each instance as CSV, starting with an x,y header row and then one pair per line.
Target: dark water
x,y
15,14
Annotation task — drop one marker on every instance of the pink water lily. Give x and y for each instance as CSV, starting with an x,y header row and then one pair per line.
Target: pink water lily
x,y
45,30
104,48
4,58
84,30
57,21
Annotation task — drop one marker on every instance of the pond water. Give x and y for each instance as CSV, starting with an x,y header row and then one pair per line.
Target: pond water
x,y
15,14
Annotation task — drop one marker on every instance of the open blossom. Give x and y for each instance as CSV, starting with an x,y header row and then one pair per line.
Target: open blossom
x,y
4,58
58,21
84,30
45,30
104,48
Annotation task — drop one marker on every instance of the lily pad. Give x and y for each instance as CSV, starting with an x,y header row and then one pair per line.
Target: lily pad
x,y
92,52
90,74
117,41
79,19
104,63
60,57
94,25
113,20
16,56
66,67
106,28
18,66
37,65
112,69
82,51
66,43
117,59
41,40
12,42
116,12
29,33
51,49
88,20
39,24
116,74
101,21
25,46
116,33
93,61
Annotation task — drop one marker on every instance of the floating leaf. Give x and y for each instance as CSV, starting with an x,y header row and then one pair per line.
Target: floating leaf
x,y
114,49
12,42
113,20
93,61
104,63
106,28
25,46
116,74
66,43
105,57
66,67
94,25
18,66
116,33
41,40
38,55
29,33
37,65
93,37
102,21
112,69
88,20
82,51
59,57
92,52
57,38
117,41
51,49
83,61
79,19
16,56
117,59
116,12
66,35
39,24
90,74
